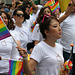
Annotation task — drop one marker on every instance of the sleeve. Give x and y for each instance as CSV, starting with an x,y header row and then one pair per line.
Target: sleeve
x,y
35,34
63,21
39,7
37,53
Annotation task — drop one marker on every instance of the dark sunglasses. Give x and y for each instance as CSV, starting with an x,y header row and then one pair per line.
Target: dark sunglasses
x,y
70,5
20,15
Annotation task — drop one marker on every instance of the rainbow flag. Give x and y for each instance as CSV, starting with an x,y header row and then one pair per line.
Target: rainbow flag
x,y
4,33
55,6
63,4
50,3
16,67
31,11
33,26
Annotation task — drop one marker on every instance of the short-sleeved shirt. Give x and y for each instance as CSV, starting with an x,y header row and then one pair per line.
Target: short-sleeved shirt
x,y
68,33
8,50
25,36
47,57
36,35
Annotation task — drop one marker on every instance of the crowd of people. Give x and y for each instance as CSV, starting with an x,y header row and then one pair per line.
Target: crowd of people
x,y
48,44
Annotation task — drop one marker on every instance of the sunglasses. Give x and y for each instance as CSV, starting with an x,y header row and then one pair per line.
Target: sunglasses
x,y
70,5
20,15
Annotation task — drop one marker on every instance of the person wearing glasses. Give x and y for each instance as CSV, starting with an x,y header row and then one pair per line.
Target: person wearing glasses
x,y
8,46
47,56
24,33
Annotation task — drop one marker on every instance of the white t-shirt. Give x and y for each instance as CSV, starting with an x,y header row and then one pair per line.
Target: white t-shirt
x,y
68,33
8,50
27,24
39,7
33,17
46,56
25,36
36,35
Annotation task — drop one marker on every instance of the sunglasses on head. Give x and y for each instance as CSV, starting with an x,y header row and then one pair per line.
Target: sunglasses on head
x,y
20,15
70,5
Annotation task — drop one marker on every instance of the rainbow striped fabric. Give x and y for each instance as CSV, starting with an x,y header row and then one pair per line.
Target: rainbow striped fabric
x,y
55,6
31,11
50,3
16,67
33,26
4,33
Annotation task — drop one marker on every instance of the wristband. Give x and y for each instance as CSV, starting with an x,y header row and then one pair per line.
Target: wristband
x,y
25,58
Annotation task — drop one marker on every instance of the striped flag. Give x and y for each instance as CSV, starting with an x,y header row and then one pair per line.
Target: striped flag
x,y
16,67
31,11
50,3
55,6
33,26
4,33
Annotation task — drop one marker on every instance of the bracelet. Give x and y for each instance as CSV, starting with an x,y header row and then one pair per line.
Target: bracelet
x,y
25,58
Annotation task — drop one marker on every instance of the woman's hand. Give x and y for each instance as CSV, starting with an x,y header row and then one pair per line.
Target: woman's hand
x,y
22,51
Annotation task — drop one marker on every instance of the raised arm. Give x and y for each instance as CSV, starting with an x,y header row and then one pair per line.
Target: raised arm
x,y
62,18
33,4
12,8
27,66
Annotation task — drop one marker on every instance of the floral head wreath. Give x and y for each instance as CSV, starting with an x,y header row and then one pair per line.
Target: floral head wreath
x,y
48,16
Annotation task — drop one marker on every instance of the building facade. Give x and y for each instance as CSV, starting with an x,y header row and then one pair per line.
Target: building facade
x,y
10,1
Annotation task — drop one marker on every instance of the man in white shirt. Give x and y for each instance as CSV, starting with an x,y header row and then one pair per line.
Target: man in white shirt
x,y
68,35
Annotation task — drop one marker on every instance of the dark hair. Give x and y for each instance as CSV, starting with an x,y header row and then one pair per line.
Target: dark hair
x,y
26,16
41,13
23,7
10,21
17,3
44,25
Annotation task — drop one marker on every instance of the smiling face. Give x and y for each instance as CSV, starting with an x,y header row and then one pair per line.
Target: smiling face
x,y
47,11
19,16
5,19
54,29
